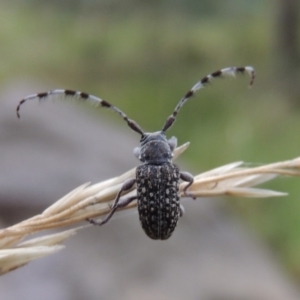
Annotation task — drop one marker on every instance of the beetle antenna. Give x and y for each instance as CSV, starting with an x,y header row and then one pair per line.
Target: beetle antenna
x,y
80,96
231,71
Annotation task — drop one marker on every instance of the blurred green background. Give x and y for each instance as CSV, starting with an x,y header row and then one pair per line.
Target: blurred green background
x,y
143,56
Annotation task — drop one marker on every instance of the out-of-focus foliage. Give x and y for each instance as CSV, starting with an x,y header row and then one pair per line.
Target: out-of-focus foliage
x,y
144,57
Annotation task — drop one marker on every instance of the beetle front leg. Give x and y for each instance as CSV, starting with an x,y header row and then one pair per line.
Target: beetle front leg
x,y
123,203
128,184
185,176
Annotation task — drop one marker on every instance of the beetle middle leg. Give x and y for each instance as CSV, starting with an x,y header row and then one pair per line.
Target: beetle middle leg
x,y
128,184
185,176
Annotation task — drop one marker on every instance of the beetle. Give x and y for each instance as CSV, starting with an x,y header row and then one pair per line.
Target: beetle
x,y
157,178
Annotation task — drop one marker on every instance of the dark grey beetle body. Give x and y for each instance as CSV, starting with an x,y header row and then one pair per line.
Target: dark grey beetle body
x,y
158,199
157,178
157,181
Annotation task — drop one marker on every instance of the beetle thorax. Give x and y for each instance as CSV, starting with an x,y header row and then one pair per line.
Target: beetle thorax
x,y
155,149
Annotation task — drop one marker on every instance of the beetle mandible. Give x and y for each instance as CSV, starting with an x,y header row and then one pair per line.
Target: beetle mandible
x,y
157,178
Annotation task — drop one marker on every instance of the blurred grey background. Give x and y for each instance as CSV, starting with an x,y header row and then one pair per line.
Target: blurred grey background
x,y
143,56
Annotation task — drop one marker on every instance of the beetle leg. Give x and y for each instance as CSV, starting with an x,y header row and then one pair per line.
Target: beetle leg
x,y
185,176
181,208
122,203
127,185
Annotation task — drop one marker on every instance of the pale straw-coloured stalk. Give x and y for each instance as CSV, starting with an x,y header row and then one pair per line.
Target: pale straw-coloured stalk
x,y
92,201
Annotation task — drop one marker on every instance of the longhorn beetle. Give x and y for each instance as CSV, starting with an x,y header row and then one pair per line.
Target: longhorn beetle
x,y
157,178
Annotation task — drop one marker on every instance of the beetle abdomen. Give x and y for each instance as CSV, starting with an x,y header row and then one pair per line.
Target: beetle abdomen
x,y
158,199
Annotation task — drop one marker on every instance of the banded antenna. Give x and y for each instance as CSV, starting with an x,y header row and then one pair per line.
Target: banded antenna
x,y
81,96
231,71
